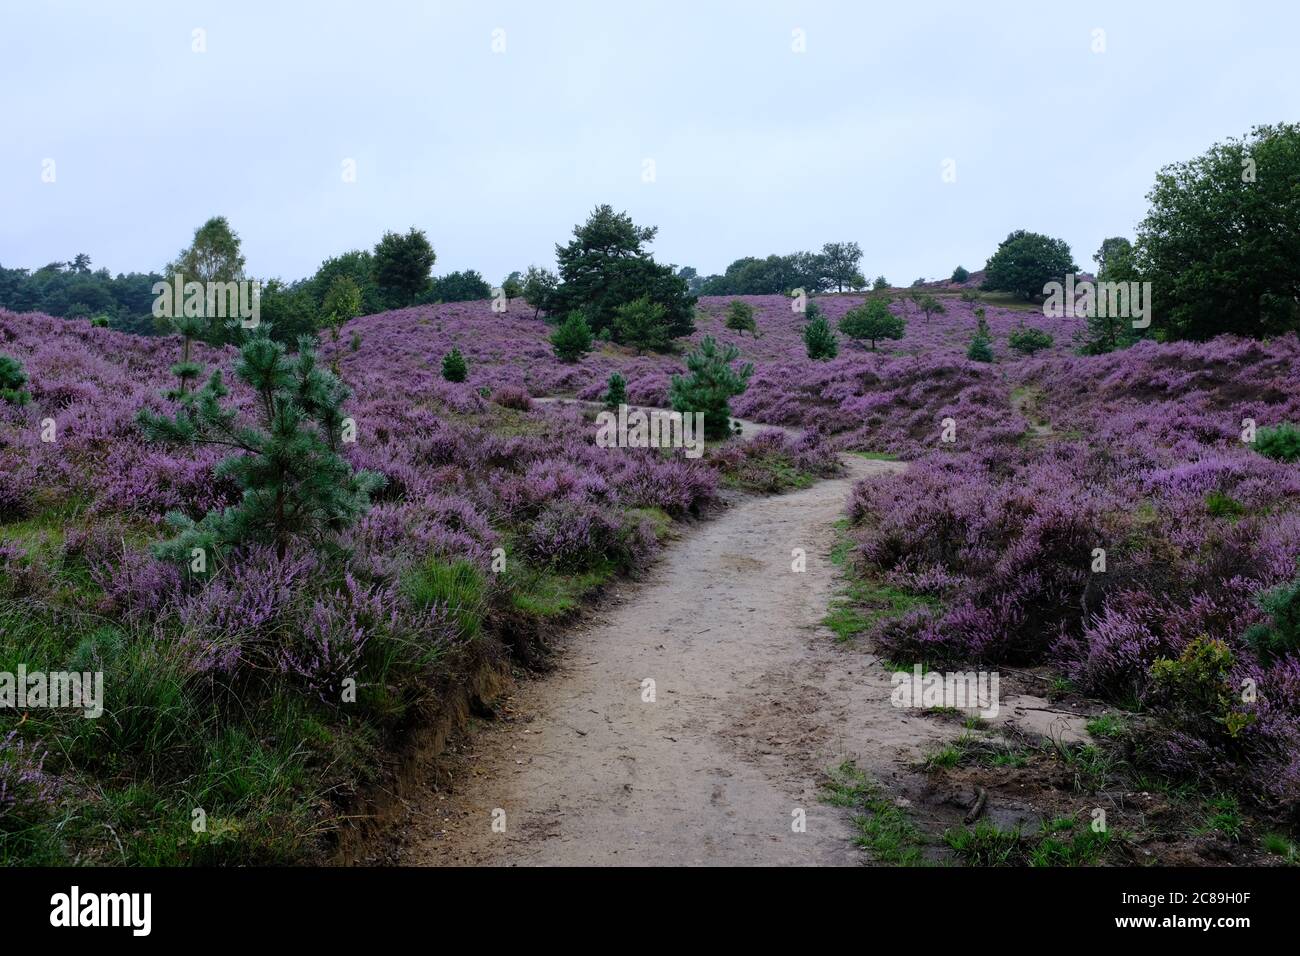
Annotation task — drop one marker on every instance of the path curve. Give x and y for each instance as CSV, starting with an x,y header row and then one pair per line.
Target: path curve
x,y
753,701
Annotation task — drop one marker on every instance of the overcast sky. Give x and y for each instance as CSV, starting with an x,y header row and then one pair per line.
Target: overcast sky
x,y
755,147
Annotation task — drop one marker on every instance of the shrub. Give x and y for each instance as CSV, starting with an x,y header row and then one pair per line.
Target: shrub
x,y
1197,689
880,284
12,380
615,391
960,274
740,317
1279,442
1027,340
820,340
872,321
572,340
454,367
711,385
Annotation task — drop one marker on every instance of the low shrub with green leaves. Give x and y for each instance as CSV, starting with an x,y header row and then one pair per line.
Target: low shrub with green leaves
x,y
1027,340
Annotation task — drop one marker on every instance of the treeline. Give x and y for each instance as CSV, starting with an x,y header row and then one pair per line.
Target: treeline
x,y
395,274
1220,246
835,268
75,291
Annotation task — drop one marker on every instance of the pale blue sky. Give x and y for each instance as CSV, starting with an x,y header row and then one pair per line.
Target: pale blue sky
x,y
756,148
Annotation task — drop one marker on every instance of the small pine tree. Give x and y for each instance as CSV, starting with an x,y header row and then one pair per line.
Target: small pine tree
x,y
812,312
1279,442
295,483
880,284
820,340
960,274
981,349
12,380
740,317
615,391
872,321
981,346
710,386
642,324
572,340
454,367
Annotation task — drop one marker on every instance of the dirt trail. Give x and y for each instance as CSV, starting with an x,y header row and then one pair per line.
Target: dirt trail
x,y
754,700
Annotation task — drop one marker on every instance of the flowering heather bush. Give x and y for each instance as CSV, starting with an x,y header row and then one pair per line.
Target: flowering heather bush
x,y
333,637
1143,458
772,461
576,536
511,396
232,619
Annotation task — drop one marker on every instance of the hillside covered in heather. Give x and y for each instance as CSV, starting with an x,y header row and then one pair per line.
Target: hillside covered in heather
x,y
992,535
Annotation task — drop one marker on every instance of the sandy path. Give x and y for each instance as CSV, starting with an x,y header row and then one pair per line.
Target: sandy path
x,y
753,701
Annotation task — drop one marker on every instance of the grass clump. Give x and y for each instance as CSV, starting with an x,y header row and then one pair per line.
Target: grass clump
x,y
884,828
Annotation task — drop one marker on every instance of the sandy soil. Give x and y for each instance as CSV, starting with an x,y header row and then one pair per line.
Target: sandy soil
x,y
753,702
